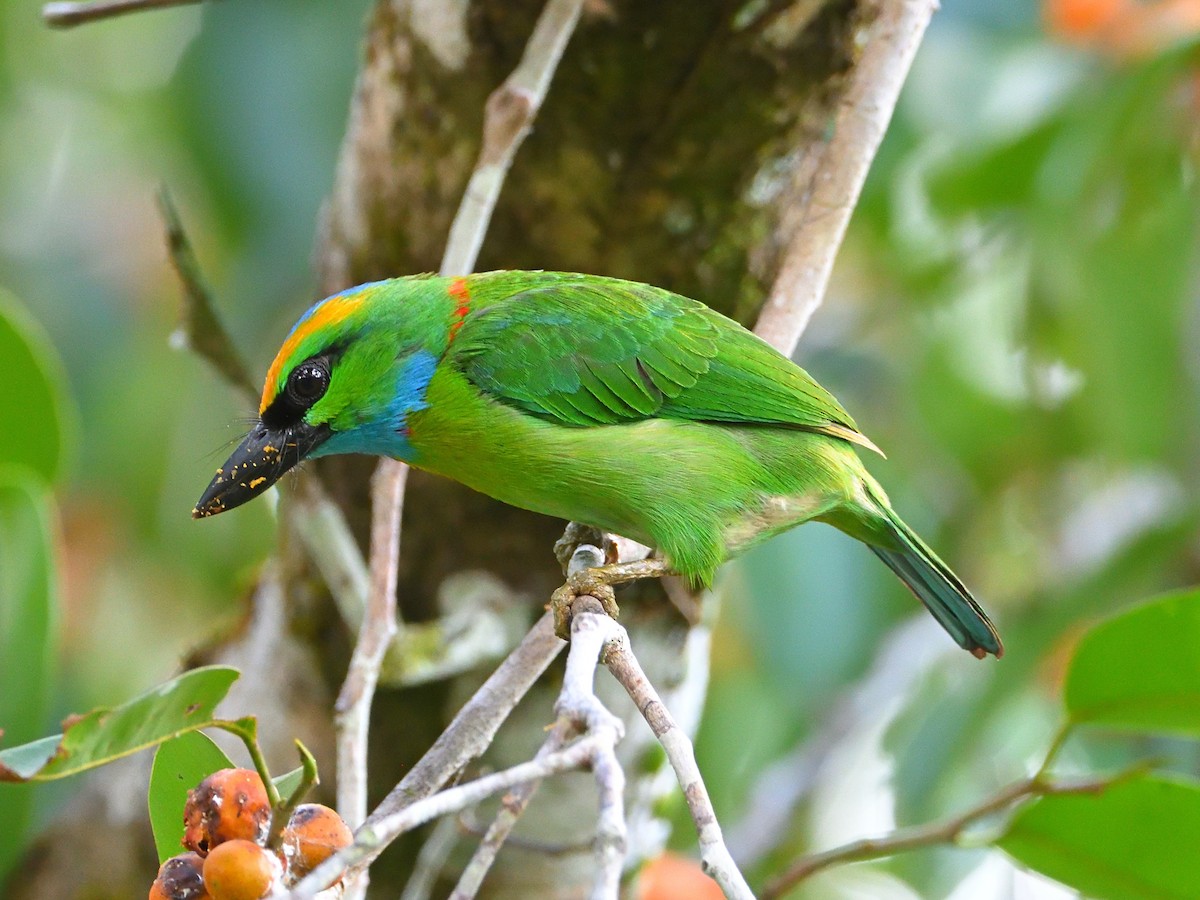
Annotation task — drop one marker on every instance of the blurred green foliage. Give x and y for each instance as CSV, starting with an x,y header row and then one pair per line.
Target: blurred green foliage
x,y
33,410
35,431
1013,319
28,639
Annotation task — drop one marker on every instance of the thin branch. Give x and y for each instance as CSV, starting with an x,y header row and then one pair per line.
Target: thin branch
x,y
714,854
472,730
513,806
68,14
508,116
200,329
352,718
374,836
938,833
578,710
432,859
468,736
894,34
577,703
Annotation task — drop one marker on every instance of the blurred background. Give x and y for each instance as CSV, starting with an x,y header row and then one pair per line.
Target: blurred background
x,y
1014,318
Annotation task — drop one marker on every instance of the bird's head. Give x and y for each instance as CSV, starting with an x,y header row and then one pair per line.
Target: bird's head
x,y
337,385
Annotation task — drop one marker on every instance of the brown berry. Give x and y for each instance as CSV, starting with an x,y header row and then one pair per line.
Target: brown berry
x,y
313,834
240,870
180,878
228,805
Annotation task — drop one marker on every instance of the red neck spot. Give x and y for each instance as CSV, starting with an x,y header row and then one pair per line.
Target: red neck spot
x,y
460,292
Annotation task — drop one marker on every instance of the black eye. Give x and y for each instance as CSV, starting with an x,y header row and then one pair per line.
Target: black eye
x,y
308,383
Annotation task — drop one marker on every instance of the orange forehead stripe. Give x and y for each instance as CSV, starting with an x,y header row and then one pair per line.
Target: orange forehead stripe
x,y
328,312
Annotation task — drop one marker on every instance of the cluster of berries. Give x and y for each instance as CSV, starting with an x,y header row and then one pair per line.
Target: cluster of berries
x,y
227,821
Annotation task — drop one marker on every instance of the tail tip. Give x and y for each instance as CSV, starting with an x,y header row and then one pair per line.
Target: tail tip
x,y
979,651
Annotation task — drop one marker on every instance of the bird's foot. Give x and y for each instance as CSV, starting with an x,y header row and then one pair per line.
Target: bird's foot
x,y
597,582
588,583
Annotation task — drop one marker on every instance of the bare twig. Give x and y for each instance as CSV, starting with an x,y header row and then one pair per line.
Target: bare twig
x,y
714,855
513,806
372,837
67,13
893,35
200,329
353,711
579,710
939,833
472,730
591,629
465,738
432,858
508,116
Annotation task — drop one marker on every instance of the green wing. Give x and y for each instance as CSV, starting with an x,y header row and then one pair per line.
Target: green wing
x,y
583,350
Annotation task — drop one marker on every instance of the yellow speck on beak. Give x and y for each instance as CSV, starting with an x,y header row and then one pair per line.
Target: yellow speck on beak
x,y
256,482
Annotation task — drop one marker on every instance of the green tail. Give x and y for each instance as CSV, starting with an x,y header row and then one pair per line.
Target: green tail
x,y
938,588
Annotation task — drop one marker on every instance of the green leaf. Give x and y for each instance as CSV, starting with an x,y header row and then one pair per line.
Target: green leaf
x,y
178,706
1136,839
287,783
1140,669
33,410
179,765
28,631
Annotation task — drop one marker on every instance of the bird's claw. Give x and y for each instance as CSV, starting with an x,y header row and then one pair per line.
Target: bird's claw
x,y
587,583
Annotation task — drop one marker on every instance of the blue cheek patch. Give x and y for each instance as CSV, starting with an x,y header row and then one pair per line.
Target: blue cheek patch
x,y
412,384
388,435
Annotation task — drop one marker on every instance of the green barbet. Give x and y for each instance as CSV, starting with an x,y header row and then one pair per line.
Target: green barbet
x,y
611,403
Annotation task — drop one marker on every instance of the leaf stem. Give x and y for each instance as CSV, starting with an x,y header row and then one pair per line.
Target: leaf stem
x,y
281,813
246,729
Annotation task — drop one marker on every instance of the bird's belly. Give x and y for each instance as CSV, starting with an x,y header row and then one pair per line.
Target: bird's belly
x,y
694,490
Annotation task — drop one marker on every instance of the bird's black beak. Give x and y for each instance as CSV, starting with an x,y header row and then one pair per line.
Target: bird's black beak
x,y
258,463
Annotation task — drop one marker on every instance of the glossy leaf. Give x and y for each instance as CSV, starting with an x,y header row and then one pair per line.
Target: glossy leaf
x,y
32,405
1141,669
1136,839
179,765
287,783
178,706
27,633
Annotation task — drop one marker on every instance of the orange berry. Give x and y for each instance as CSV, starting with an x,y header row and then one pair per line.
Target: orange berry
x,y
1082,19
670,876
240,870
228,805
180,878
313,834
